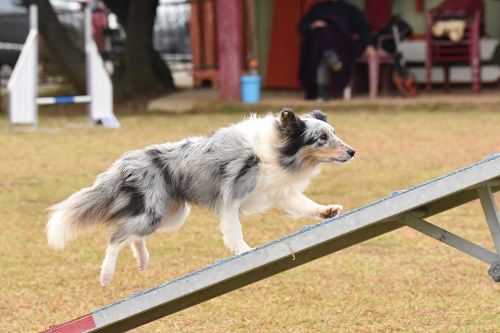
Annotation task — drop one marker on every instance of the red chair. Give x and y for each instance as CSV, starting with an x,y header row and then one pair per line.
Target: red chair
x,y
378,13
374,65
446,52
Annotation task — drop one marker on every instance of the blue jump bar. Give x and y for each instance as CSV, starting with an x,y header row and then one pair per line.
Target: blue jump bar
x,y
62,100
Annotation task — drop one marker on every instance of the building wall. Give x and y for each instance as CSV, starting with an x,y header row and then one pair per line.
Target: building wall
x,y
492,18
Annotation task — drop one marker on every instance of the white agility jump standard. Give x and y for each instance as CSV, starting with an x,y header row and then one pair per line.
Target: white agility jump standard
x,y
403,208
23,84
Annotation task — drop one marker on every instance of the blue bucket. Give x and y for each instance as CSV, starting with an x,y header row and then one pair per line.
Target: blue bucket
x,y
250,88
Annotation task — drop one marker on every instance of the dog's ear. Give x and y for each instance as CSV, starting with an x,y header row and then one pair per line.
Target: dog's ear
x,y
288,118
318,115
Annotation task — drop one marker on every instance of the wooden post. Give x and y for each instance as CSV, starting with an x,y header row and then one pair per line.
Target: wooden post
x,y
229,46
194,30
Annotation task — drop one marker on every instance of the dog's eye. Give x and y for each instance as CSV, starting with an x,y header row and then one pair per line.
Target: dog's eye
x,y
322,137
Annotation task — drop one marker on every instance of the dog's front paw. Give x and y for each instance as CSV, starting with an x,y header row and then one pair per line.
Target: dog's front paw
x,y
330,211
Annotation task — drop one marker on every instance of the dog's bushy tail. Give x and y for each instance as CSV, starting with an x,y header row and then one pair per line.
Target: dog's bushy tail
x,y
87,207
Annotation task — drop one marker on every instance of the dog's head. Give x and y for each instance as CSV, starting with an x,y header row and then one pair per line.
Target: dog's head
x,y
309,140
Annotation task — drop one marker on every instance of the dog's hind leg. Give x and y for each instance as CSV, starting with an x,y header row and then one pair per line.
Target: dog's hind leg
x,y
231,230
140,252
175,216
109,263
173,219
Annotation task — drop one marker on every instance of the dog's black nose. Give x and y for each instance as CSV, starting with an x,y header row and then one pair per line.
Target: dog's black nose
x,y
351,152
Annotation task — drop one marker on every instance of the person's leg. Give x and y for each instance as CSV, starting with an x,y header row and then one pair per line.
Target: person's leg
x,y
322,79
341,81
329,61
311,91
333,60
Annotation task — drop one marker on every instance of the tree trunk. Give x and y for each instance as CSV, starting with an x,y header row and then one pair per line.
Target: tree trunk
x,y
70,58
139,75
143,70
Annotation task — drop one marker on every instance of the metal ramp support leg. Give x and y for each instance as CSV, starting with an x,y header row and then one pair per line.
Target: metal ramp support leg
x,y
485,194
449,238
493,219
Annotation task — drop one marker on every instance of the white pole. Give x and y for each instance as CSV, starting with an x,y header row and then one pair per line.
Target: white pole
x,y
34,27
33,17
87,31
99,86
23,85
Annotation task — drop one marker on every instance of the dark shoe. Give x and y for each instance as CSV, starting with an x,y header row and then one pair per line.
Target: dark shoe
x,y
333,60
322,92
310,93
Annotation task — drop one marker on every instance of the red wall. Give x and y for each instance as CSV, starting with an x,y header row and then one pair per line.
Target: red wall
x,y
378,13
284,49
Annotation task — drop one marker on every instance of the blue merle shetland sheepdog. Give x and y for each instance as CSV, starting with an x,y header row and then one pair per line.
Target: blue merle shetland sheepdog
x,y
241,169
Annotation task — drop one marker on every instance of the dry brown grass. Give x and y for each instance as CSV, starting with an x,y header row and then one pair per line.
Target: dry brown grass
x,y
401,281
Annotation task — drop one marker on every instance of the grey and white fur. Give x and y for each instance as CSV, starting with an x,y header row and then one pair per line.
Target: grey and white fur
x,y
242,169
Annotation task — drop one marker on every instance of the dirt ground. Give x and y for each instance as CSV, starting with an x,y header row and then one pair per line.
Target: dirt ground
x,y
402,281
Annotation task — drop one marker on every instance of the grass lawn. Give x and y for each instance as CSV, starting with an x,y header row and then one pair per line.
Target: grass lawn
x,y
402,281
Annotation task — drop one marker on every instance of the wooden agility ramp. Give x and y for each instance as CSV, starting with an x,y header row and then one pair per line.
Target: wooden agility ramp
x,y
408,207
